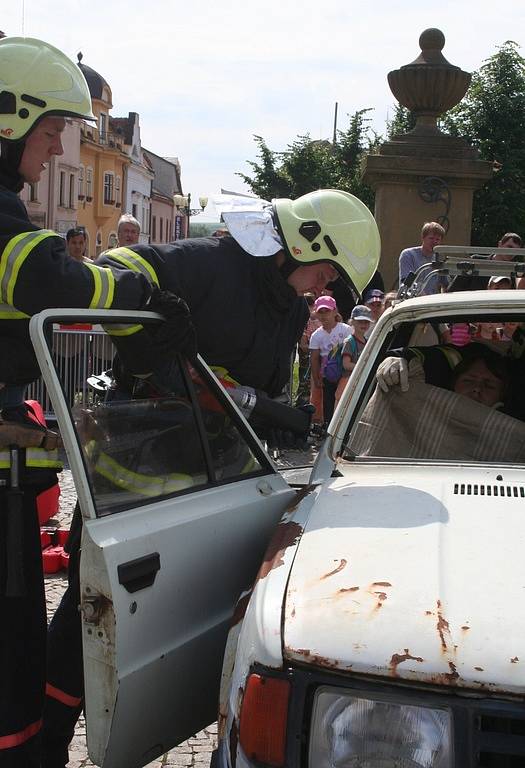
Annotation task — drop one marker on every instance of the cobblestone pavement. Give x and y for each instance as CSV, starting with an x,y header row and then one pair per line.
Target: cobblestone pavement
x,y
197,750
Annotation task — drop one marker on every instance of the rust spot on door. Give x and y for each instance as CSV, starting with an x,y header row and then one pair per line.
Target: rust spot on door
x,y
348,589
381,584
514,660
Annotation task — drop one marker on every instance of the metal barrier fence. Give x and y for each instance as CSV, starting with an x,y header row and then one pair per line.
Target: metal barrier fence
x,y
78,352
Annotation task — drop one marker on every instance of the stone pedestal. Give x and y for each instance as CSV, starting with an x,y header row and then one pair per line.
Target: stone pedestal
x,y
424,175
422,180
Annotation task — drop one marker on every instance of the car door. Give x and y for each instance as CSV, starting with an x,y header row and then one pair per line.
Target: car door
x,y
178,500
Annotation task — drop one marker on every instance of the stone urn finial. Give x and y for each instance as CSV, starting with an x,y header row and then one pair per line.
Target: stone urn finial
x,y
430,85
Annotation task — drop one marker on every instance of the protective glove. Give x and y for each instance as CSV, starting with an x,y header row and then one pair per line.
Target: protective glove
x,y
176,335
292,433
393,371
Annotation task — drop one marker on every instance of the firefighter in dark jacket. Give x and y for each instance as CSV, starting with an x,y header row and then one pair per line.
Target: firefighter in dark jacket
x,y
40,88
246,294
245,297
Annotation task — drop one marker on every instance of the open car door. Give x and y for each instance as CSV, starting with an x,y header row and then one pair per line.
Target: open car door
x,y
178,501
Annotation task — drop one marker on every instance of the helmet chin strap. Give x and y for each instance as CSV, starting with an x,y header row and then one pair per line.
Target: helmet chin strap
x,y
10,158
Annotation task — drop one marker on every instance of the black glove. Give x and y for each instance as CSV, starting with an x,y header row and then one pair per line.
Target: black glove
x,y
176,335
294,430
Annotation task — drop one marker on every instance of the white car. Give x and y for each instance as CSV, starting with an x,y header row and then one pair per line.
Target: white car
x,y
384,625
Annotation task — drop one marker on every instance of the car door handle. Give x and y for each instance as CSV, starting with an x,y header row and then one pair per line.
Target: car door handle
x,y
139,573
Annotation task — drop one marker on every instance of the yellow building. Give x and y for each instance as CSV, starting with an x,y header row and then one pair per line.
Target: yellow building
x,y
101,173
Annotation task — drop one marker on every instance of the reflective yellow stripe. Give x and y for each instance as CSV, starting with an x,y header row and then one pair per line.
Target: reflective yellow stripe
x,y
223,373
138,483
10,313
14,254
38,458
122,330
104,287
134,261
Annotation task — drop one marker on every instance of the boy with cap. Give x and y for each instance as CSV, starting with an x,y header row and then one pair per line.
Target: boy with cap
x,y
361,322
374,300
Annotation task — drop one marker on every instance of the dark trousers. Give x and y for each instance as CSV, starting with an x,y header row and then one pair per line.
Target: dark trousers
x,y
329,390
22,643
65,674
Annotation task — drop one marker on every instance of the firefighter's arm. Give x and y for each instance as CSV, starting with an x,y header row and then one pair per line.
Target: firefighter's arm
x,y
37,273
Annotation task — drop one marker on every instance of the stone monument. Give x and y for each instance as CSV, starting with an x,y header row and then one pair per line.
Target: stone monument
x,y
424,175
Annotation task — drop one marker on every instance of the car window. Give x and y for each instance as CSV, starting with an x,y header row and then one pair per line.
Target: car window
x,y
151,437
463,403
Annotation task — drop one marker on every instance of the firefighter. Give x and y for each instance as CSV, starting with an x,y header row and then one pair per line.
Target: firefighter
x,y
40,89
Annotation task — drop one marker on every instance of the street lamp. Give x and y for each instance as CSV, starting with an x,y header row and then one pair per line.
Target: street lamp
x,y
183,205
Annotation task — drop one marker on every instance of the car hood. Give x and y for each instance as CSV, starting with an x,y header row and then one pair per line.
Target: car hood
x,y
413,572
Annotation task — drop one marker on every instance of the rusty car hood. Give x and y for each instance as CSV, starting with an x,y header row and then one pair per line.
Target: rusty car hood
x,y
413,572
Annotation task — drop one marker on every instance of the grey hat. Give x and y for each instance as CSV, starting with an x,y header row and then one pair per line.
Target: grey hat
x,y
361,312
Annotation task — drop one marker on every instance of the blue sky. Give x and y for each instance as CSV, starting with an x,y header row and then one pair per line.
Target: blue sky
x,y
206,76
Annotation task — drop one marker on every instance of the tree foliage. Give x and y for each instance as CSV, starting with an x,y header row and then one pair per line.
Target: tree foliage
x,y
492,118
308,164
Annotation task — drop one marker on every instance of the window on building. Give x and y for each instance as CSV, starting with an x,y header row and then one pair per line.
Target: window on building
x,y
161,237
62,190
109,190
33,192
103,127
154,229
89,184
71,201
134,209
145,218
81,182
118,199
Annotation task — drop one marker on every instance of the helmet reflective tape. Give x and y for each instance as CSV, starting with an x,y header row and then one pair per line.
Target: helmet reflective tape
x,y
135,262
104,286
7,312
144,485
330,225
38,80
14,254
36,458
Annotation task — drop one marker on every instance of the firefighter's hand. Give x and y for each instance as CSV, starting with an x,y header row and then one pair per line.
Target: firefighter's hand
x,y
393,371
286,438
176,335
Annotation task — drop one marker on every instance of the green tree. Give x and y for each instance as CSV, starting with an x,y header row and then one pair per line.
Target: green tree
x,y
308,164
402,122
491,118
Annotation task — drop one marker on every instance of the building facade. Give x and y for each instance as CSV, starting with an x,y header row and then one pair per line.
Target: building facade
x,y
103,161
166,221
138,174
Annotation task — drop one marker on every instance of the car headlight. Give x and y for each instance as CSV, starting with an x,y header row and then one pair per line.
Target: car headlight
x,y
354,730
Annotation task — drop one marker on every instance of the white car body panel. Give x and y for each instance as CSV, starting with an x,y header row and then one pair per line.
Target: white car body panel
x,y
398,576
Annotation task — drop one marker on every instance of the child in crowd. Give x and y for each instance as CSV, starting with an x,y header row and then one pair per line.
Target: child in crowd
x,y
324,343
360,321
